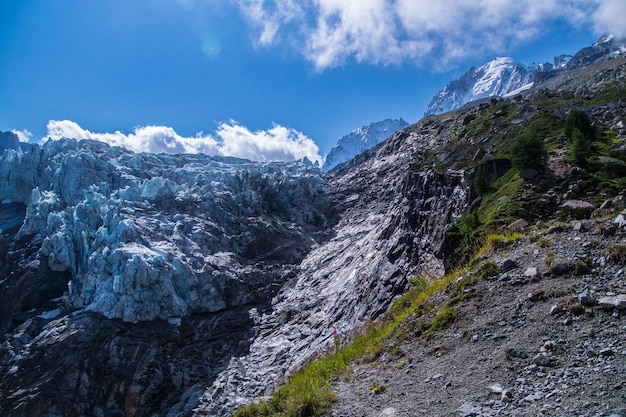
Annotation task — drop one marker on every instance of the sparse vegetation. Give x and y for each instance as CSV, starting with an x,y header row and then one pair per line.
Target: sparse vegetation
x,y
442,320
480,181
616,254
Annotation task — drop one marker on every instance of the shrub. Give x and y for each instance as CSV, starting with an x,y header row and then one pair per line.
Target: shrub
x,y
442,320
528,151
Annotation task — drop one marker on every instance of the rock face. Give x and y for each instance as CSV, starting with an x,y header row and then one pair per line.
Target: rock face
x,y
360,140
144,284
392,226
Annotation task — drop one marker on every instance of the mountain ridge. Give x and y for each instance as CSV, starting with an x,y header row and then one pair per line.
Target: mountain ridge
x,y
506,76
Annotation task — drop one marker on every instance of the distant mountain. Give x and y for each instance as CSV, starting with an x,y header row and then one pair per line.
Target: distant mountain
x,y
360,140
498,77
506,76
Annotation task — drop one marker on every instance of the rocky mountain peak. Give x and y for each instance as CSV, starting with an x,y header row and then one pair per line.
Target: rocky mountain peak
x,y
498,77
360,140
506,76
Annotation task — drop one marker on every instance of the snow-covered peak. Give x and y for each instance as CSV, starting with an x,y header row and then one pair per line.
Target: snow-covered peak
x,y
498,77
360,140
504,76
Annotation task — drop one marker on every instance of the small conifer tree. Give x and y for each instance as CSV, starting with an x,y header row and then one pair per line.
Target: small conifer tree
x,y
528,151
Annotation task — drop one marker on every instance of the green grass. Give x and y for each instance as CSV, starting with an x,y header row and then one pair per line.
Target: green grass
x,y
500,202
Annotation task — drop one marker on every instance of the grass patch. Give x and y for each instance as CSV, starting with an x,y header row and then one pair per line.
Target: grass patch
x,y
442,320
498,207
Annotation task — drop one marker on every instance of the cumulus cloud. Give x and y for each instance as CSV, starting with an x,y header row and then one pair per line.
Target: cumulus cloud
x,y
23,135
231,139
329,32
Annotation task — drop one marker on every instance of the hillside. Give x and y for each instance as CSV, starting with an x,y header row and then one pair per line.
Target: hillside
x,y
532,324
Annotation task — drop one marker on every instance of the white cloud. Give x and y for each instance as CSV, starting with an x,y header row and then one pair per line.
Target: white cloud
x,y
23,135
328,32
611,17
276,144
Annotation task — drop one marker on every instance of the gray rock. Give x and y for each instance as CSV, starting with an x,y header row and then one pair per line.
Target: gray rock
x,y
536,396
531,272
543,359
615,167
578,209
586,299
607,352
560,266
555,309
388,412
507,395
575,188
518,225
607,302
470,409
506,265
496,388
620,302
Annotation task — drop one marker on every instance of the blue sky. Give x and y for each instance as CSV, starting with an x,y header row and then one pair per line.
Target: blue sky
x,y
262,79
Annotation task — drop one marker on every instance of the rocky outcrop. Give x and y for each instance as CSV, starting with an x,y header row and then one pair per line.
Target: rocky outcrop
x,y
9,140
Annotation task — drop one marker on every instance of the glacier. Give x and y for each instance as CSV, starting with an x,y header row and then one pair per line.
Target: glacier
x,y
148,236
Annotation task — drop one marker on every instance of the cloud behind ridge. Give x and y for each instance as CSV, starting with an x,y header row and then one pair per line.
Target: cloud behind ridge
x,y
278,143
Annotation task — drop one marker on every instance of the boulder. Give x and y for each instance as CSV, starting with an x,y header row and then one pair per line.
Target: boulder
x,y
578,209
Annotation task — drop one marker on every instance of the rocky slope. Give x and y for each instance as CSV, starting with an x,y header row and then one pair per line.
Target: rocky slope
x,y
542,338
360,140
535,326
